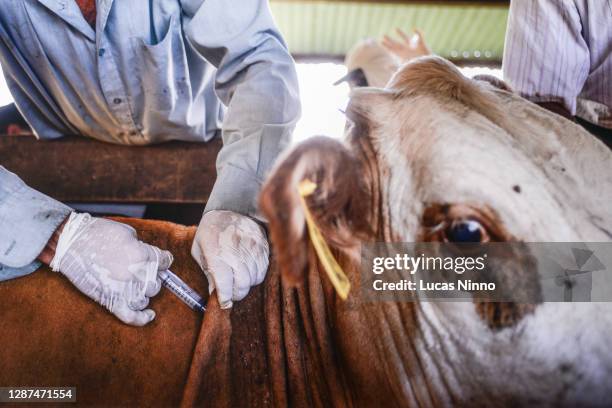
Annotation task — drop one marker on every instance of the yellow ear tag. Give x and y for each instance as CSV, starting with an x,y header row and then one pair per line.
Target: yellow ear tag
x,y
334,271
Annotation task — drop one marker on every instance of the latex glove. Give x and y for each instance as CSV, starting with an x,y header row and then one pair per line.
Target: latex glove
x,y
409,47
232,250
105,260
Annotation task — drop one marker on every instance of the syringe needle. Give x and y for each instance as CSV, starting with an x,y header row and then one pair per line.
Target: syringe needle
x,y
175,285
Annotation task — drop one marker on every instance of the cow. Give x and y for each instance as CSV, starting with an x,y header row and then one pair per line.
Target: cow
x,y
433,148
430,150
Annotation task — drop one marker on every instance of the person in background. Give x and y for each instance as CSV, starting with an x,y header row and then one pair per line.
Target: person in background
x,y
372,63
558,54
142,72
406,47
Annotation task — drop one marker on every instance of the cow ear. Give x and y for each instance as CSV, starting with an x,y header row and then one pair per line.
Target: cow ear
x,y
339,204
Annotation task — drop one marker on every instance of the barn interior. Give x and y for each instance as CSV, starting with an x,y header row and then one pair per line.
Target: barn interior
x,y
176,178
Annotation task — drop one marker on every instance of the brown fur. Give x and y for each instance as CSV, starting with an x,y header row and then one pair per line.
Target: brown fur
x,y
439,78
275,348
54,336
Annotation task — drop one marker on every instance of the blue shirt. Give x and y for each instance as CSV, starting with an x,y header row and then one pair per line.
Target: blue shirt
x,y
150,72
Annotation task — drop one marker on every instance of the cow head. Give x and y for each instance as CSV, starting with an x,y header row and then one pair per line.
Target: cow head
x,y
430,153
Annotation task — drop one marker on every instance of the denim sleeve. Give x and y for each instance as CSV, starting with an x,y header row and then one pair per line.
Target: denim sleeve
x,y
256,79
28,218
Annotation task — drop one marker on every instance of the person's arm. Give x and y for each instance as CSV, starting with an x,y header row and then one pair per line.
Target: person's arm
x,y
48,252
28,219
546,59
257,81
102,258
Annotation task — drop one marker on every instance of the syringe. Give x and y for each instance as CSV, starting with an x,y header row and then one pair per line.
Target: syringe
x,y
175,285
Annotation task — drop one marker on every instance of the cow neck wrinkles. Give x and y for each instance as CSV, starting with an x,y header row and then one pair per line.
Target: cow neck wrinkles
x,y
305,362
396,332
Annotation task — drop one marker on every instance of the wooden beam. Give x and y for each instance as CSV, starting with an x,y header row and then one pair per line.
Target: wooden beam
x,y
75,169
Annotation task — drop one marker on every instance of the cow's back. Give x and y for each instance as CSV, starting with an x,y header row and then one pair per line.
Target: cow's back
x,y
52,335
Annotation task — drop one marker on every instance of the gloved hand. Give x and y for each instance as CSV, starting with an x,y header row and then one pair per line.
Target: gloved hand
x,y
105,260
232,250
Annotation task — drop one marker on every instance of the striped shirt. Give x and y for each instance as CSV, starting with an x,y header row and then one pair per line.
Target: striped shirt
x,y
561,51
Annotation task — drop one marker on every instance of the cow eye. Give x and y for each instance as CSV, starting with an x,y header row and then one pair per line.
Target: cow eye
x,y
466,230
462,223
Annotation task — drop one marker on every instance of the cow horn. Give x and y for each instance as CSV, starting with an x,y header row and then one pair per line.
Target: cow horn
x,y
355,78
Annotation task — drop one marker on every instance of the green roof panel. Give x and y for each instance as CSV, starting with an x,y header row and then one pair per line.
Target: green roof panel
x,y
461,31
